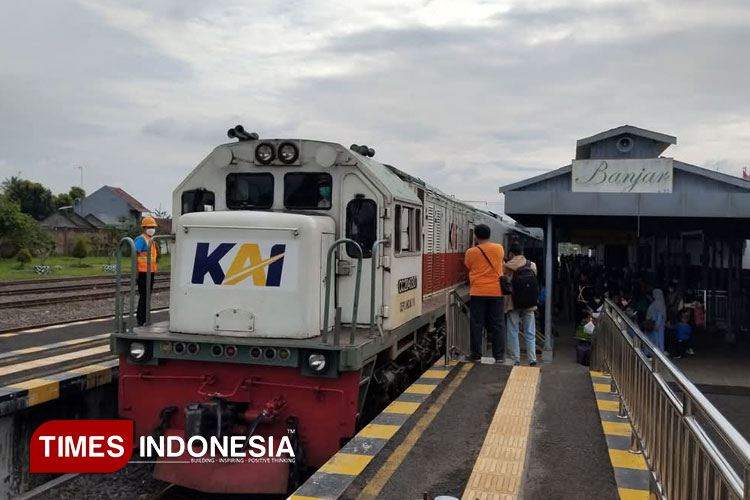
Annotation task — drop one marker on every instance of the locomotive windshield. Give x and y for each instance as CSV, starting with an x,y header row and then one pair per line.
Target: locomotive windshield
x,y
249,191
307,191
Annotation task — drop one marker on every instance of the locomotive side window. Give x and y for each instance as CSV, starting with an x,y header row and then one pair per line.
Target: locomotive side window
x,y
246,191
361,226
408,230
309,191
198,200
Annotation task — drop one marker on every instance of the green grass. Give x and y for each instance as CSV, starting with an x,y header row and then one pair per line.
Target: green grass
x,y
64,267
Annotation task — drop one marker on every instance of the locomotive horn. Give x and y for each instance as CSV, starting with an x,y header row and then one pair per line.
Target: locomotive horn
x,y
240,133
232,134
370,152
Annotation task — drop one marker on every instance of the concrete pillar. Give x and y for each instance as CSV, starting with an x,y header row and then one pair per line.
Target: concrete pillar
x,y
548,273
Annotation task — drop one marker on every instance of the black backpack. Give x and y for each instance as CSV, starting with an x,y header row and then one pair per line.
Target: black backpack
x,y
525,287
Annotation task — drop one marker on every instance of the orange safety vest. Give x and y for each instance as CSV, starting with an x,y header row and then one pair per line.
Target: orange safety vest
x,y
142,257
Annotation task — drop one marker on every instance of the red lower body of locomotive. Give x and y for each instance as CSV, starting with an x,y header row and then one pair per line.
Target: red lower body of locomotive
x,y
184,398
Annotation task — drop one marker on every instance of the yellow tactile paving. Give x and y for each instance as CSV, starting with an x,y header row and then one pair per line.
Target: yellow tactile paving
x,y
607,405
628,494
37,363
346,463
499,467
379,431
627,460
420,389
617,428
441,374
401,407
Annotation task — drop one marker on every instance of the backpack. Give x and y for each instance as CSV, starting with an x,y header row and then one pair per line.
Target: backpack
x,y
525,287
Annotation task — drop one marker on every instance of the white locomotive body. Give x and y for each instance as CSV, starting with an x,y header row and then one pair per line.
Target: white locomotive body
x,y
266,333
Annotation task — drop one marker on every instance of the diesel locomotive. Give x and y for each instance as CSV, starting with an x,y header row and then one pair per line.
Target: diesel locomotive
x,y
308,287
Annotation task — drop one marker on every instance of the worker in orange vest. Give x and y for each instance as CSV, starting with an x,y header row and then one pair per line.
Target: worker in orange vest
x,y
141,247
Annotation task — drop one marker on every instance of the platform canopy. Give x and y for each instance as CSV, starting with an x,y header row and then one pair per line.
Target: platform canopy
x,y
621,173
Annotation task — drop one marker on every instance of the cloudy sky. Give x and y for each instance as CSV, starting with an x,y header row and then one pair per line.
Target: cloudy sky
x,y
468,95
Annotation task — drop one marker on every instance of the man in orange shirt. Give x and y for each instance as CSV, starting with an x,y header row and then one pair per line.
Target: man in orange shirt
x,y
485,264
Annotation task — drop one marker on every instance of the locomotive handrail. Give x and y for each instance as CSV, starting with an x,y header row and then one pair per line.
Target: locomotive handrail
x,y
677,428
324,331
148,271
373,282
118,291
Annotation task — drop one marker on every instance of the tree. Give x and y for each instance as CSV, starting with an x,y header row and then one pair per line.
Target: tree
x,y
18,230
23,257
63,200
76,193
33,198
80,251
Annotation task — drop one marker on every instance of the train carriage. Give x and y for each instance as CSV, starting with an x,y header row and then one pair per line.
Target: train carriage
x,y
267,336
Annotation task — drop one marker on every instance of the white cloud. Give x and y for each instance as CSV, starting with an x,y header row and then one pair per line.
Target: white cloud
x,y
468,95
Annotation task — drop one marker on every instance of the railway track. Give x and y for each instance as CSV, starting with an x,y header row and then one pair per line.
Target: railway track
x,y
66,285
47,295
37,281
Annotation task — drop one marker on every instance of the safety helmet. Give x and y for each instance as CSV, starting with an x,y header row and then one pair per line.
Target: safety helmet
x,y
148,222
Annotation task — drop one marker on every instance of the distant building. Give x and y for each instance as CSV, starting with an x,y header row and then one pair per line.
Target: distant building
x,y
66,227
112,206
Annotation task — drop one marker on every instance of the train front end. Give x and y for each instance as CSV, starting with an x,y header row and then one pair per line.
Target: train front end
x,y
235,394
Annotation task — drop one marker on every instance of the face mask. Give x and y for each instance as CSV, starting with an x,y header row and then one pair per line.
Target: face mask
x,y
325,192
150,231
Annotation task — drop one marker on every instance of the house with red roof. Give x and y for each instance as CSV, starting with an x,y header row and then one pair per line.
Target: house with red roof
x,y
112,206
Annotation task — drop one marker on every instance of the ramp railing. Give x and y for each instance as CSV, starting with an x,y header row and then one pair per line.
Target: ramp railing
x,y
693,452
457,343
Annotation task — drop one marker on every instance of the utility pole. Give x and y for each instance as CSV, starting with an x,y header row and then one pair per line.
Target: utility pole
x,y
79,167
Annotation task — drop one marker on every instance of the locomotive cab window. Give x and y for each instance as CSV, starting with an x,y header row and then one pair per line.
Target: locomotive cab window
x,y
361,226
308,191
198,200
247,191
408,230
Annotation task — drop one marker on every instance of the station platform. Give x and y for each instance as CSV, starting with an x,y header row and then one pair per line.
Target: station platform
x,y
490,432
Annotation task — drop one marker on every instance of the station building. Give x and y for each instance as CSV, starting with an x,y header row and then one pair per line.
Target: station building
x,y
665,221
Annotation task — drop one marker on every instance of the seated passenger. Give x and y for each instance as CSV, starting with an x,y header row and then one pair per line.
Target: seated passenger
x,y
684,333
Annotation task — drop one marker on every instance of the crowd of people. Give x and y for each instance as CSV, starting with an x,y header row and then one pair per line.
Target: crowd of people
x,y
668,320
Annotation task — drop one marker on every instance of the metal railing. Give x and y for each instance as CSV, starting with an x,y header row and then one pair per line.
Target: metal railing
x,y
693,452
329,279
149,277
373,281
118,287
457,342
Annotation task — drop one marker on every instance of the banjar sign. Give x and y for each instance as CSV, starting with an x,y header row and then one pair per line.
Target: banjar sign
x,y
623,176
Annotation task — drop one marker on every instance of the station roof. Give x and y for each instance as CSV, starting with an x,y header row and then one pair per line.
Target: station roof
x,y
663,141
696,192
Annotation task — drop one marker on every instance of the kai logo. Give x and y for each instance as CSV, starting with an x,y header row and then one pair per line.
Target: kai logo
x,y
248,262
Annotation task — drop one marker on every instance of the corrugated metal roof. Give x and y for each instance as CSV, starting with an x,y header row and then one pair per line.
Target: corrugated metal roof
x,y
627,129
392,182
729,180
134,204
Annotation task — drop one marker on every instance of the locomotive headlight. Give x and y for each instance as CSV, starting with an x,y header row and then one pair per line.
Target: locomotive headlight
x,y
288,153
264,153
317,362
137,350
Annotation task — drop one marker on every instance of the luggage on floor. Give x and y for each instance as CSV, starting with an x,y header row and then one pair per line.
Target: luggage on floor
x,y
583,353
